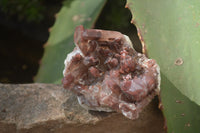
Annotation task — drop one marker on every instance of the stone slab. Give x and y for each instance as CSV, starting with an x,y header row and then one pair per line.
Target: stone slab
x,y
46,108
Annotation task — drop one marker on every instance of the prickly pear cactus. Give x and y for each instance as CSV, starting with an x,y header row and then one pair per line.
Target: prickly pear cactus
x,y
72,14
169,31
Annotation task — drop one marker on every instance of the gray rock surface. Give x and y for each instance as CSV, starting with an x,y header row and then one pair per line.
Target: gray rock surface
x,y
44,108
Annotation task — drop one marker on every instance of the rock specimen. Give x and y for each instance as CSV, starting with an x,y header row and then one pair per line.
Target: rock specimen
x,y
107,74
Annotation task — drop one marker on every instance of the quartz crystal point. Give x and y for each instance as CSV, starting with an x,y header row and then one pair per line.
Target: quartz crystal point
x,y
107,74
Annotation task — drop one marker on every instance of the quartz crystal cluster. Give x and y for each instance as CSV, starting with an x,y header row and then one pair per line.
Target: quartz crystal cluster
x,y
107,74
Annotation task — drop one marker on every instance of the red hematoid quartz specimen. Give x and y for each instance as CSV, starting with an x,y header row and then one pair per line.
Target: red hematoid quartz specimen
x,y
107,74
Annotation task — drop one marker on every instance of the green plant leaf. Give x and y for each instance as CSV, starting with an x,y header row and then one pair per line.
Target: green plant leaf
x,y
170,30
182,115
60,43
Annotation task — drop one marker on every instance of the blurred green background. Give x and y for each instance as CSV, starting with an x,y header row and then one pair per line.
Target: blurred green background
x,y
24,29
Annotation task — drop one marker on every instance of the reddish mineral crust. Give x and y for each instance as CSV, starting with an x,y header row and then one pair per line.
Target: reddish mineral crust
x,y
107,74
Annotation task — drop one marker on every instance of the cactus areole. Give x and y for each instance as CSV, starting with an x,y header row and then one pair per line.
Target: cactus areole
x,y
107,74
